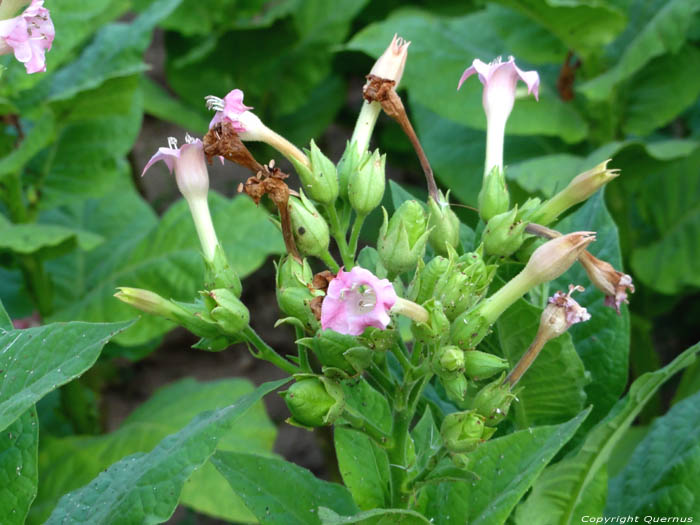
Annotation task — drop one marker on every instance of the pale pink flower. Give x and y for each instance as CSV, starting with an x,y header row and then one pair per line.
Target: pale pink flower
x,y
28,36
499,79
573,312
356,300
232,109
607,279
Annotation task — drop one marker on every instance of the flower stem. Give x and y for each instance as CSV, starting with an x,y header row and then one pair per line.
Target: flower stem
x,y
285,147
339,236
526,360
267,353
365,125
355,234
329,261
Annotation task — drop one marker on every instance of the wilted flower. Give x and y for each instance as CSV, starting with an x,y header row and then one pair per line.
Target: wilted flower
x,y
499,79
608,280
391,64
561,312
28,36
193,182
356,300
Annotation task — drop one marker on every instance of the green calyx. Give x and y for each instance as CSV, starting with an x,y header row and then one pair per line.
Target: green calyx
x,y
444,225
493,198
493,401
469,328
402,239
320,181
448,362
463,431
339,351
314,401
366,182
292,273
310,230
220,274
481,365
504,233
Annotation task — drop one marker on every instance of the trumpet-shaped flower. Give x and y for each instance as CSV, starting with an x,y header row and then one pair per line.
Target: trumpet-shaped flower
x,y
356,300
499,79
28,36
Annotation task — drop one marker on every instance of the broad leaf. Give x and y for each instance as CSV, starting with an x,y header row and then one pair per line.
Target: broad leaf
x,y
38,136
279,492
661,476
437,55
602,342
566,490
145,488
66,464
159,103
426,439
500,472
18,468
654,28
38,360
553,385
364,466
44,240
162,256
366,403
373,517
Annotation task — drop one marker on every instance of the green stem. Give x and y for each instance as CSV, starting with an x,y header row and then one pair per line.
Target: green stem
x,y
267,353
329,261
339,236
355,234
400,352
375,373
398,459
302,351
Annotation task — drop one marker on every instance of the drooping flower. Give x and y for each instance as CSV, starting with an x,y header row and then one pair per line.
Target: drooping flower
x,y
607,279
499,79
356,300
231,108
193,182
29,36
572,311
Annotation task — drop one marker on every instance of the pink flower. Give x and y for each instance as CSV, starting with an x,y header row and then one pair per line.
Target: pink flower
x,y
573,312
499,80
29,36
230,108
355,300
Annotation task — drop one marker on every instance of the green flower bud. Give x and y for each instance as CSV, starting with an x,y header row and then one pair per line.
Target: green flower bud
x,y
448,362
462,431
339,351
455,387
320,181
444,225
366,184
504,233
469,328
436,329
229,313
493,401
427,275
292,273
296,302
311,404
402,239
310,229
481,365
220,274
348,164
493,198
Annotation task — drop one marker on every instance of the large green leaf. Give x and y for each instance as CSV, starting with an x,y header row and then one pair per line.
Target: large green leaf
x,y
279,492
566,490
37,137
655,27
18,468
437,55
364,466
44,240
145,488
374,517
582,25
162,256
160,104
603,342
553,387
68,463
37,360
500,472
661,476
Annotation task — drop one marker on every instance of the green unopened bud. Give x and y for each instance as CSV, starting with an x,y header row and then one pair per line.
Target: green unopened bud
x,y
481,365
292,273
339,351
314,402
448,362
427,275
366,184
493,198
444,225
504,233
579,189
229,313
320,181
493,401
348,164
455,387
462,431
296,302
469,328
310,229
436,329
199,321
402,239
220,273
149,302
